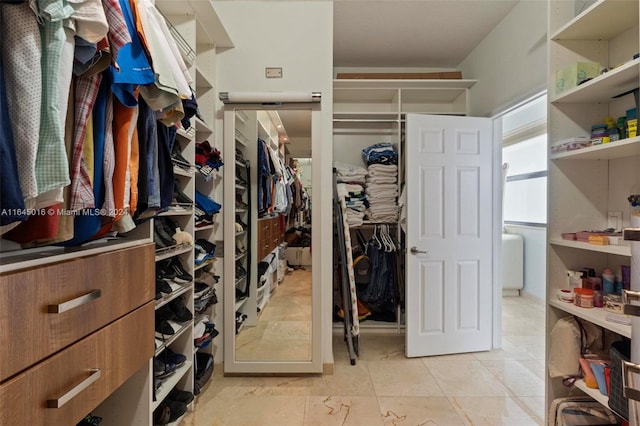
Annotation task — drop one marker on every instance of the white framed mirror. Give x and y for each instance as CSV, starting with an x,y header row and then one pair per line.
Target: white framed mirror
x,y
271,301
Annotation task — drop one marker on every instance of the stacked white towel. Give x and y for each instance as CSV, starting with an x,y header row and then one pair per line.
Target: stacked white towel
x,y
382,192
349,173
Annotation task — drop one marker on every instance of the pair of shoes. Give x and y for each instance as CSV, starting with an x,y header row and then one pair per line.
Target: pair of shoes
x,y
161,285
90,420
162,369
240,271
168,411
163,231
178,159
170,357
182,396
180,196
175,310
172,269
240,203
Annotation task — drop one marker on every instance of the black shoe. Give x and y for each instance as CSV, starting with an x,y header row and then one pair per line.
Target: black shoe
x,y
176,409
172,357
164,330
244,225
180,396
165,313
168,226
161,415
180,196
161,233
162,286
180,273
181,312
177,158
162,369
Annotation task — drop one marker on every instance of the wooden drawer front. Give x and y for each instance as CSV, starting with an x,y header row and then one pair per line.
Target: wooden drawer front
x,y
104,287
105,359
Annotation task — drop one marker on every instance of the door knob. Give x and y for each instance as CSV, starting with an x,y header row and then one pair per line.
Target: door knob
x,y
414,250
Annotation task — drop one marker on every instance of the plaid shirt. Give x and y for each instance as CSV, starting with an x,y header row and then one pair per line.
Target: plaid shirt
x,y
52,167
85,97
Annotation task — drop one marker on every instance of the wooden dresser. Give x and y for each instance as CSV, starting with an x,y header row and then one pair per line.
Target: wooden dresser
x,y
270,235
72,332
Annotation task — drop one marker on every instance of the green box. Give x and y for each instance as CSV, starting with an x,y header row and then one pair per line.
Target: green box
x,y
574,74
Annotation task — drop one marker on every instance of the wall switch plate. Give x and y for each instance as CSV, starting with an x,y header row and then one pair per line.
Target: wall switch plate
x,y
273,72
614,219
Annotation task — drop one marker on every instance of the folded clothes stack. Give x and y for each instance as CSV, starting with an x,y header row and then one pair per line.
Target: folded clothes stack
x,y
381,182
351,180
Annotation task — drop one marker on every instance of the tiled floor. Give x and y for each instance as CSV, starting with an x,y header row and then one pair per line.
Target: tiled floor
x,y
500,387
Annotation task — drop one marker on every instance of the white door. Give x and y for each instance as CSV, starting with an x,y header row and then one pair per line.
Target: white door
x,y
449,234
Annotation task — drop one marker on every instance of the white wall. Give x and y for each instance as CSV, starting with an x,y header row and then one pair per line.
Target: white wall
x,y
297,36
510,64
535,258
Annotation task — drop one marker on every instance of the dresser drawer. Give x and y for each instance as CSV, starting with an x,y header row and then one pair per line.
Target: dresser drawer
x,y
79,378
45,309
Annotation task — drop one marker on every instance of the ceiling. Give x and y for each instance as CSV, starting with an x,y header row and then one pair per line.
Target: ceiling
x,y
411,33
387,34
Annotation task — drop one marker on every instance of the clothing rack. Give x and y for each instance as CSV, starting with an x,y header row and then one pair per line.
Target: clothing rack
x,y
347,279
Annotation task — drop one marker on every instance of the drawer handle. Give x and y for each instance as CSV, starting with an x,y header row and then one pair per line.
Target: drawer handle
x,y
57,403
74,303
629,368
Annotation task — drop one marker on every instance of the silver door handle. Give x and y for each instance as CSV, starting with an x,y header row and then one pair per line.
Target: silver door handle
x,y
629,296
74,303
414,250
70,394
629,368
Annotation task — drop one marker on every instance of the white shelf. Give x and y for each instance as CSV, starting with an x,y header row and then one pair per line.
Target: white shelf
x,y
459,84
169,383
205,263
241,255
620,250
171,252
178,212
187,135
177,170
202,127
623,148
604,87
166,343
593,315
173,295
593,393
240,303
202,82
603,20
204,228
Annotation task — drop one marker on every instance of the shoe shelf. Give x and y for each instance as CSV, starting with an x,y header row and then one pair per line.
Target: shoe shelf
x,y
240,302
204,228
166,253
174,294
169,383
203,83
240,234
203,131
187,135
177,211
241,187
166,343
177,170
204,264
241,255
241,138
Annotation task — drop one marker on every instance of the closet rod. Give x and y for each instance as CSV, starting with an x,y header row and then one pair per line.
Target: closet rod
x,y
363,120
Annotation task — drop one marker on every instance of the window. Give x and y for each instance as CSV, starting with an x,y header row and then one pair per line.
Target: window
x,y
525,153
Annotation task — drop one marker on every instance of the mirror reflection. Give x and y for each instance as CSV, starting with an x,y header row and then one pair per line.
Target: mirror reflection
x,y
273,301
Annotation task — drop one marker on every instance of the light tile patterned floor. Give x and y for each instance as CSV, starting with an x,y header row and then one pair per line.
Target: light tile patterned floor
x,y
500,387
